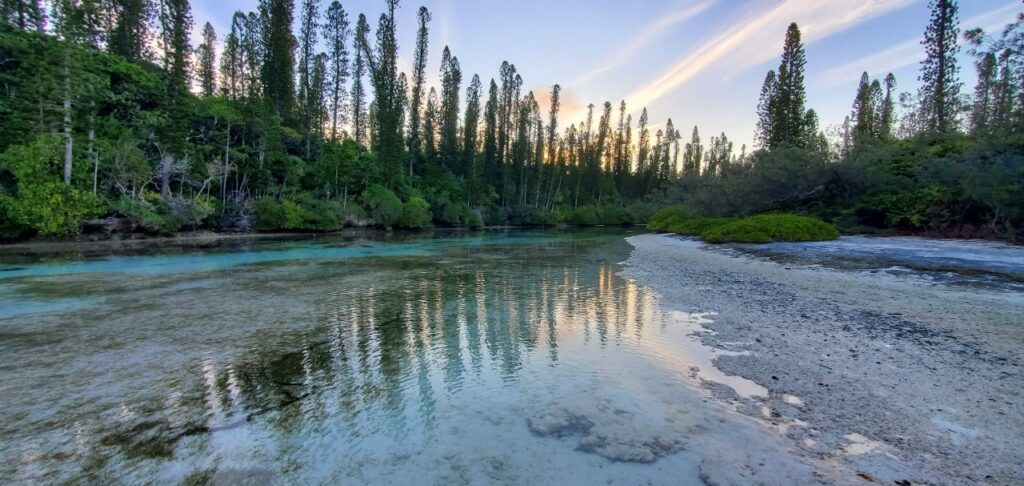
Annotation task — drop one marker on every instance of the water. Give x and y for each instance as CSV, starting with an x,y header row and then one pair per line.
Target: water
x,y
461,358
958,262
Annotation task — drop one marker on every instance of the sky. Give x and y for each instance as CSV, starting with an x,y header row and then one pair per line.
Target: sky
x,y
698,62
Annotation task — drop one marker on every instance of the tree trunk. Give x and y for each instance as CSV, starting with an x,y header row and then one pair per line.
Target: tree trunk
x,y
95,157
227,165
69,141
166,162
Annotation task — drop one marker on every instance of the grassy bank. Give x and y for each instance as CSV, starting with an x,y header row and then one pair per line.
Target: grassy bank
x,y
762,228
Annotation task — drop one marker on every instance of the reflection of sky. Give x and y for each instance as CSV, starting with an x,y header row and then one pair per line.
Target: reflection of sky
x,y
325,371
205,262
700,62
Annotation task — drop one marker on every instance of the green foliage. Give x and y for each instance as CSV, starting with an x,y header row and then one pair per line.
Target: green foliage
x,y
382,205
766,228
301,213
605,214
682,220
472,219
697,226
164,217
270,214
522,215
145,215
38,200
52,208
415,213
909,210
661,220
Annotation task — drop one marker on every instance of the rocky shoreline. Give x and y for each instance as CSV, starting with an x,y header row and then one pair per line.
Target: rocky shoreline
x,y
875,378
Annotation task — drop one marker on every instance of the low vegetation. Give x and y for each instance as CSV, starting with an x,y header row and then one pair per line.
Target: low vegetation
x,y
697,226
763,228
766,228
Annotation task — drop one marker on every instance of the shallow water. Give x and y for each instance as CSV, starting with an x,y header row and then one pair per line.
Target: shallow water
x,y
467,358
961,262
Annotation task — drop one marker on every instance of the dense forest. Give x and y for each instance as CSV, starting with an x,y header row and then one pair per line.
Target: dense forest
x,y
111,121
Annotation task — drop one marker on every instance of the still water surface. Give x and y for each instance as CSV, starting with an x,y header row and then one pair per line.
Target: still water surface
x,y
451,358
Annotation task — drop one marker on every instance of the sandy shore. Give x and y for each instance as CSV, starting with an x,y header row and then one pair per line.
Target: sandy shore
x,y
875,378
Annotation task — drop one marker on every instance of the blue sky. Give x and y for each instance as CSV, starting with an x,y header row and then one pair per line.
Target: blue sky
x,y
700,62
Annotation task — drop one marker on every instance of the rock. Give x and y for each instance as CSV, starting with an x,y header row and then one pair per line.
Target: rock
x,y
609,432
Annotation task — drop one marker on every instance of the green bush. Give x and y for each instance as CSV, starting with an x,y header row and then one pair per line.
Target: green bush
x,y
766,228
696,226
39,200
301,213
530,216
145,215
270,214
321,215
661,220
452,214
473,219
187,213
9,228
383,205
916,209
415,213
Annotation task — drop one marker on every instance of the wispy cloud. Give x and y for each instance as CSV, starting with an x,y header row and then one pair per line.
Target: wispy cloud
x,y
911,52
648,34
758,37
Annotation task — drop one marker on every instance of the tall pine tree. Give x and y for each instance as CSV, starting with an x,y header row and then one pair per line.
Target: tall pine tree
x,y
130,33
451,80
359,114
336,32
940,84
382,60
789,114
206,70
277,72
419,69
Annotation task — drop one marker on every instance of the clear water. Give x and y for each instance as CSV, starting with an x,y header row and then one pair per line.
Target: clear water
x,y
961,262
515,357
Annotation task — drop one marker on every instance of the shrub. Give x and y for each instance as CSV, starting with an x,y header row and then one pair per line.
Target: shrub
x,y
611,215
9,228
321,215
415,213
473,219
144,215
452,214
766,228
270,215
696,226
186,213
383,205
661,220
530,216
38,199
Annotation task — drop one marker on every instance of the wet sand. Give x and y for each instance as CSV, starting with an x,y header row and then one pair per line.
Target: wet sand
x,y
872,378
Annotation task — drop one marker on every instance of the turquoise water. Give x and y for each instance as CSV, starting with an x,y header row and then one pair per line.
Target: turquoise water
x,y
516,357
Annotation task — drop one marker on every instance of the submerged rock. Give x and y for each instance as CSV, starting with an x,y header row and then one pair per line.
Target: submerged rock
x,y
611,433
